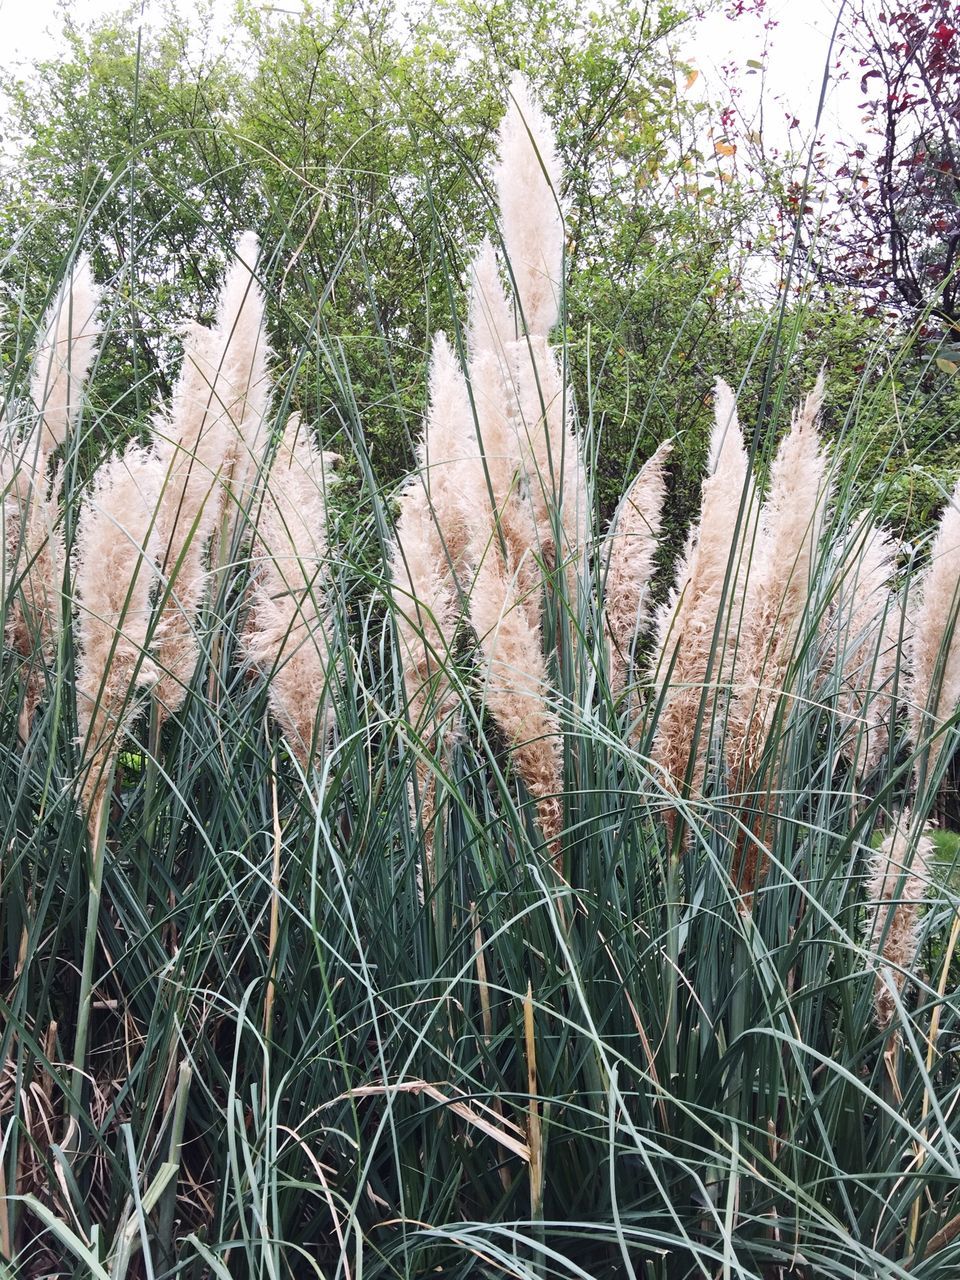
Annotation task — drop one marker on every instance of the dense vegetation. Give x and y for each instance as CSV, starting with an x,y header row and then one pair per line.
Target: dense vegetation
x,y
388,888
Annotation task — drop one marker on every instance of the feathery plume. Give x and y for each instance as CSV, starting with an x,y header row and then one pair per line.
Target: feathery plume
x,y
193,439
35,565
934,682
528,186
550,456
505,602
445,454
490,324
114,577
430,551
496,472
631,546
515,684
899,874
288,637
773,605
690,650
862,635
778,586
240,352
64,357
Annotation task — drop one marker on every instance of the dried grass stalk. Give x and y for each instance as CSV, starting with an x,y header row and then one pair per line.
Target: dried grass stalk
x,y
64,357
899,875
934,651
630,550
528,186
114,576
288,637
692,656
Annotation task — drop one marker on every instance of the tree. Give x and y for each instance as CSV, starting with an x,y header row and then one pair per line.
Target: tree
x,y
896,229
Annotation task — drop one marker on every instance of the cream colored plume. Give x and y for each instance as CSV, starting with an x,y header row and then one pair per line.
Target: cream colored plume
x,y
509,525
288,633
36,562
427,559
114,578
515,689
239,354
550,456
506,599
862,643
778,587
490,324
897,887
629,554
934,684
528,187
193,440
448,451
431,545
64,356
693,650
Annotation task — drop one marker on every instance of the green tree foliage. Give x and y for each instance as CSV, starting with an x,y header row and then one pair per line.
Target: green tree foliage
x,y
357,143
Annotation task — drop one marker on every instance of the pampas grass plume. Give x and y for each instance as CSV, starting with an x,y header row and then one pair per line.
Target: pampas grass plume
x,y
934,681
865,625
194,438
490,324
528,187
689,628
288,635
779,582
64,356
899,873
240,352
114,576
631,548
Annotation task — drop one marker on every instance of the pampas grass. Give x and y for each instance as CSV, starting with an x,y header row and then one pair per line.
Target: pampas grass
x,y
287,636
899,877
630,550
114,577
692,660
934,681
428,564
239,354
778,585
193,439
528,188
64,357
866,619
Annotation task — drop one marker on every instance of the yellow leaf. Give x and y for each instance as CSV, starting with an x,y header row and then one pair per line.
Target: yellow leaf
x,y
948,366
726,148
691,79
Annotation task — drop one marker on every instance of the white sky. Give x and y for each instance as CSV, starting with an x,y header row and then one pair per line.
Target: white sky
x,y
794,53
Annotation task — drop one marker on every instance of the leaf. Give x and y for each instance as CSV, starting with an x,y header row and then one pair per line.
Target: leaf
x,y
755,64
68,1238
948,366
691,80
726,148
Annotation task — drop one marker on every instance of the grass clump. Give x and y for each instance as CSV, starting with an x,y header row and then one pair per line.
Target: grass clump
x,y
419,904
